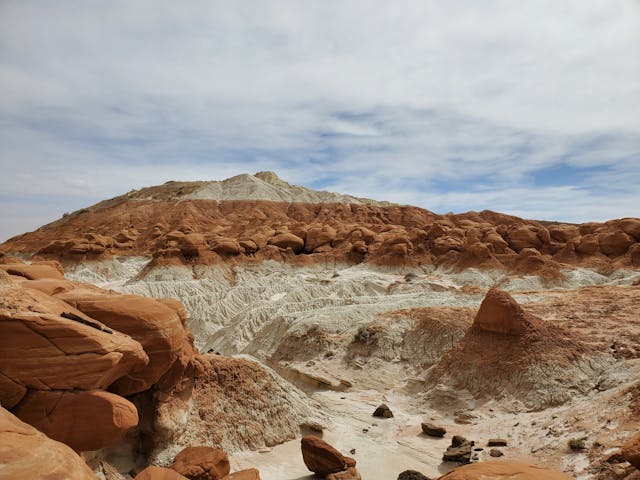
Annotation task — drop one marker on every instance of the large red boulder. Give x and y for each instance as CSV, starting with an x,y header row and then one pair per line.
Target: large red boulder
x,y
321,458
84,420
500,313
66,349
202,463
287,240
159,473
155,325
26,453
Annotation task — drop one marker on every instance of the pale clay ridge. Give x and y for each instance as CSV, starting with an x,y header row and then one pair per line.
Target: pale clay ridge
x,y
268,186
271,310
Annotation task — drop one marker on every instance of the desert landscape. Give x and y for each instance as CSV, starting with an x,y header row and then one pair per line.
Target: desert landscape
x,y
252,329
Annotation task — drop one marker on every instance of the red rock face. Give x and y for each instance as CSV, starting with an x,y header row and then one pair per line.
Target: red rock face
x,y
211,231
500,313
202,463
503,471
25,453
157,327
631,451
59,386
321,458
85,421
159,473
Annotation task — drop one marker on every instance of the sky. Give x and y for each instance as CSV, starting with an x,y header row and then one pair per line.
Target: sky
x,y
527,108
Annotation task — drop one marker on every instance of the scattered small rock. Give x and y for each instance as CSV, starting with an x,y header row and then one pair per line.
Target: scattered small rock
x,y
494,452
497,442
352,451
383,411
365,430
459,451
433,430
412,475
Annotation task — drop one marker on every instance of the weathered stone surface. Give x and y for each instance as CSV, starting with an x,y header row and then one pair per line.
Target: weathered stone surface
x,y
202,463
26,453
412,475
159,473
247,474
500,313
350,473
155,325
631,451
383,411
66,349
84,420
433,430
34,271
287,240
320,457
503,470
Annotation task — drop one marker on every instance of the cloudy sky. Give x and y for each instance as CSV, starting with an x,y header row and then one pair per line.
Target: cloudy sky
x,y
525,108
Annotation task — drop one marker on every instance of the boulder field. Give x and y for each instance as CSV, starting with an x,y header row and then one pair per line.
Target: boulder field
x,y
248,219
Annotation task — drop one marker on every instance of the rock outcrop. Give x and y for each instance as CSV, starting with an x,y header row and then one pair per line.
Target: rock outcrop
x,y
202,463
26,453
253,218
84,420
631,451
503,470
321,458
510,353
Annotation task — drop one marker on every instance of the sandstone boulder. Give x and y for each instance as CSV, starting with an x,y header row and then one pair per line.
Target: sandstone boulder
x,y
631,451
631,226
226,246
503,470
67,349
523,236
614,244
155,325
26,453
33,271
202,463
321,458
319,236
84,420
500,313
287,240
159,473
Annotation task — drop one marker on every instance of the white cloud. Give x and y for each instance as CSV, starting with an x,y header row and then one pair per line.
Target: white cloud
x,y
376,99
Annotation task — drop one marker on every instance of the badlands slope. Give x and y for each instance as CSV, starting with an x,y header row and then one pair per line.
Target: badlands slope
x,y
311,308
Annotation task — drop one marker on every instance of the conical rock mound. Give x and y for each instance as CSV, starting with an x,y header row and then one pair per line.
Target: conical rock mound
x,y
509,354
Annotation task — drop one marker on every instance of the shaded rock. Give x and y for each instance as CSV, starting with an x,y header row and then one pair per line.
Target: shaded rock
x,y
494,452
459,451
503,470
159,473
85,421
322,458
26,453
319,236
631,451
497,442
247,474
383,411
433,430
202,463
412,475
